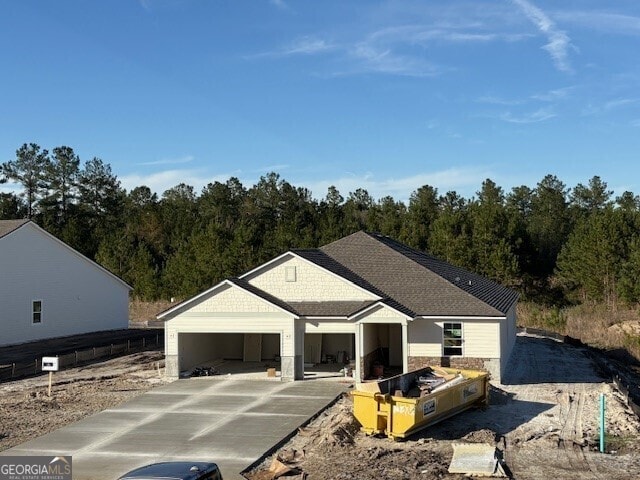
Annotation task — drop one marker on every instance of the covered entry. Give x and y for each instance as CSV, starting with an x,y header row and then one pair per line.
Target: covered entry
x,y
382,345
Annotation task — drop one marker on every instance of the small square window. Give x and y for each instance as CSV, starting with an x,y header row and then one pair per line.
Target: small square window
x,y
36,311
290,274
452,339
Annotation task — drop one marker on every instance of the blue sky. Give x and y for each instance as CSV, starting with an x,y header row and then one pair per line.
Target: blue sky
x,y
387,95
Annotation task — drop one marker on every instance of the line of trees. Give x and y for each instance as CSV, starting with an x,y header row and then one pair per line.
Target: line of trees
x,y
553,243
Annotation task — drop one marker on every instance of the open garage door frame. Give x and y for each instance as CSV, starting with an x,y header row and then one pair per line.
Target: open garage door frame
x,y
205,348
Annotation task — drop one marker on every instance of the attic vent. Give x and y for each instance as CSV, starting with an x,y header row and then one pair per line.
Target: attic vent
x,y
290,274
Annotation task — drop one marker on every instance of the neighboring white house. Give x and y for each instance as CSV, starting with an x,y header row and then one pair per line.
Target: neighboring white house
x,y
48,289
366,297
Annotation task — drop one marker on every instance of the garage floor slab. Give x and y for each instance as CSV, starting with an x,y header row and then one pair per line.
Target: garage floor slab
x,y
228,421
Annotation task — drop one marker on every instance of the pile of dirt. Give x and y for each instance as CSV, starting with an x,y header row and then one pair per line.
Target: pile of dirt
x,y
332,447
334,427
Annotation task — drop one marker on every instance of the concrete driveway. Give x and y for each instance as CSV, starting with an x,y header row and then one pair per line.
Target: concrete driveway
x,y
231,422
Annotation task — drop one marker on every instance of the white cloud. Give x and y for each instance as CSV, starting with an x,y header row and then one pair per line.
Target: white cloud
x,y
169,161
493,100
271,168
539,115
160,181
301,46
279,4
558,41
425,35
621,102
464,180
370,58
592,109
10,187
602,21
307,46
552,95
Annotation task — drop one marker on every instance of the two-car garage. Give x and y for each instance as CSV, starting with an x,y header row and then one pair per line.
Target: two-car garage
x,y
202,348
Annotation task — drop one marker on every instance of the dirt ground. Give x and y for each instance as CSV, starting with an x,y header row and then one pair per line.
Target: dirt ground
x,y
26,412
544,419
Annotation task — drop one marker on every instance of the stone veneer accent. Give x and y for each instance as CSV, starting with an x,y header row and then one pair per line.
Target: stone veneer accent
x,y
171,366
454,362
366,362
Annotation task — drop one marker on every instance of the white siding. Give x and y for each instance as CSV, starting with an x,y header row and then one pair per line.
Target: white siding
x,y
230,299
77,296
329,326
507,338
381,314
312,283
481,338
425,338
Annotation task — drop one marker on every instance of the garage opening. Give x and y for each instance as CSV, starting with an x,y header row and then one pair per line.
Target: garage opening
x,y
229,352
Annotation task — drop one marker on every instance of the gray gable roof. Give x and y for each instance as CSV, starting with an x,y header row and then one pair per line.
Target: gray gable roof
x,y
330,309
8,226
420,283
407,280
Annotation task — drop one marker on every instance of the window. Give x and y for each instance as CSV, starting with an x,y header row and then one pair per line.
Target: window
x,y
290,274
452,339
36,311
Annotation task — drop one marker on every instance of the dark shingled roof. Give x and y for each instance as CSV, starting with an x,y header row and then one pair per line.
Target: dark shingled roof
x,y
320,258
330,309
418,282
407,280
8,226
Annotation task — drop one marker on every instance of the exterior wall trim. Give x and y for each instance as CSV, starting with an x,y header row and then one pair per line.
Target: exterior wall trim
x,y
457,317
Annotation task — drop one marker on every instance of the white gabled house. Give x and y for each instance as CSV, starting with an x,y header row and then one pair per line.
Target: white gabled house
x,y
365,296
48,289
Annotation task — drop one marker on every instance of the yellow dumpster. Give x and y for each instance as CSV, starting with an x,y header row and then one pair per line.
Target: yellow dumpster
x,y
400,406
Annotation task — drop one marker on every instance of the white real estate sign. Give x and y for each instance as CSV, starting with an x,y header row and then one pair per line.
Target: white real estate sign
x,y
49,364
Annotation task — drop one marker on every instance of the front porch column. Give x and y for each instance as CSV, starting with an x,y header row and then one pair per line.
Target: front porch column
x,y
405,348
299,329
358,362
292,348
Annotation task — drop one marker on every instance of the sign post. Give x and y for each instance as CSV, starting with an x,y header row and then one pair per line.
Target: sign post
x,y
602,425
50,364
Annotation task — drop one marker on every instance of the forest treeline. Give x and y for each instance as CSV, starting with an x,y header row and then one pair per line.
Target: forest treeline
x,y
554,244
